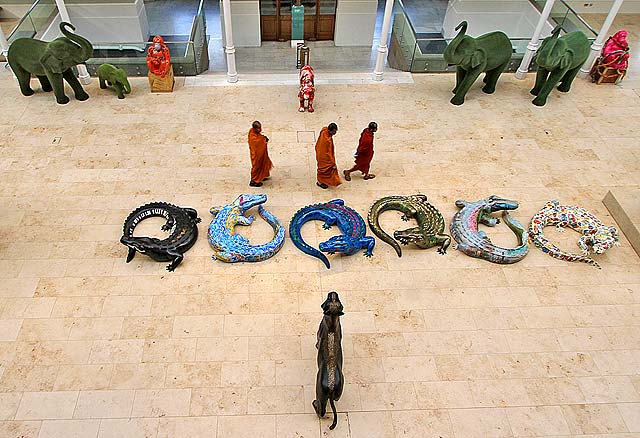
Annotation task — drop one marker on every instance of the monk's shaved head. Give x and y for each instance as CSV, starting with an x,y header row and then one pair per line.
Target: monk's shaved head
x,y
333,128
373,126
256,125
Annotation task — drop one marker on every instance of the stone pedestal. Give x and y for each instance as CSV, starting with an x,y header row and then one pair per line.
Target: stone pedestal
x,y
158,84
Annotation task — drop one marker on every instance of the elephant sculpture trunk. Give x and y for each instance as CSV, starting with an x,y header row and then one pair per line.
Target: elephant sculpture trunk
x,y
50,62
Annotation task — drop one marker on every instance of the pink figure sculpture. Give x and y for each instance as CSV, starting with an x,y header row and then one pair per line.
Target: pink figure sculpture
x,y
615,53
307,88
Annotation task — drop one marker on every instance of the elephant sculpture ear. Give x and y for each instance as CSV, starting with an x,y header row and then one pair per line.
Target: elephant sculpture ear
x,y
477,58
565,60
52,62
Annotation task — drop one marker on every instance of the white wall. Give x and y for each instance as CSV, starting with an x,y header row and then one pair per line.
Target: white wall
x,y
516,18
245,22
106,22
355,22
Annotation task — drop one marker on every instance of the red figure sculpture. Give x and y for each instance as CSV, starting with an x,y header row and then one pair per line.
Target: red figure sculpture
x,y
616,51
307,88
158,58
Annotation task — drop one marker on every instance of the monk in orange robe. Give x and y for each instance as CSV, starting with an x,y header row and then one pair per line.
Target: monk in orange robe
x,y
326,158
260,163
364,153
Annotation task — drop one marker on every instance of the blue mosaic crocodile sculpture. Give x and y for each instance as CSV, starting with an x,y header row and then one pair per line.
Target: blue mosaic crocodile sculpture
x,y
336,213
230,247
474,242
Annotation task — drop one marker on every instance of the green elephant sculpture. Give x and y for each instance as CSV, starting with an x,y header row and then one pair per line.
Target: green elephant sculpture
x,y
50,62
111,75
488,53
559,60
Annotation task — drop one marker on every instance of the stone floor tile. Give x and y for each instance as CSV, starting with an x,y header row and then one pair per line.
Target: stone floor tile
x,y
409,369
45,329
116,351
421,423
9,402
370,424
276,399
83,377
610,389
247,425
297,425
161,403
96,328
187,426
138,376
198,326
28,377
193,375
537,421
594,419
47,405
104,404
295,372
388,396
169,350
447,394
69,429
21,429
248,373
631,415
128,427
147,327
219,401
469,423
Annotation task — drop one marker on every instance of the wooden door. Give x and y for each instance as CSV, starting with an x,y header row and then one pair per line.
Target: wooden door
x,y
319,19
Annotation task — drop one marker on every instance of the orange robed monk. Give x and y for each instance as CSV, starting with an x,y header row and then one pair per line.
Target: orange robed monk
x,y
260,163
326,158
364,153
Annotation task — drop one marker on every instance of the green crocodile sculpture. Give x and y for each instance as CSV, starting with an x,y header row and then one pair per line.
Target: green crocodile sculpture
x,y
428,233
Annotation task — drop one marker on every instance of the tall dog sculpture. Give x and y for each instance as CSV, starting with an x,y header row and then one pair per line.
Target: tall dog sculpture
x,y
307,88
329,381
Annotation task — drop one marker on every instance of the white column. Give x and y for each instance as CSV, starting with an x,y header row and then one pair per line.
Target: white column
x,y
229,49
83,74
378,72
533,45
4,45
596,47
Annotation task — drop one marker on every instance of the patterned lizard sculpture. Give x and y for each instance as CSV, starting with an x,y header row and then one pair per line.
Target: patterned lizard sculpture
x,y
475,243
347,220
428,233
230,247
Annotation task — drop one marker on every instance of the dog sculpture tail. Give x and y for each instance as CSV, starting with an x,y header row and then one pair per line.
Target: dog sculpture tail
x,y
335,415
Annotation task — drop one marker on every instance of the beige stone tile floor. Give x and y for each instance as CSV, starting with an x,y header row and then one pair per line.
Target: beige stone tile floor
x,y
434,346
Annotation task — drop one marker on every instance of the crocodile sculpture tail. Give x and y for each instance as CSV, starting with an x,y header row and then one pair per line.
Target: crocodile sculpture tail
x,y
294,232
378,207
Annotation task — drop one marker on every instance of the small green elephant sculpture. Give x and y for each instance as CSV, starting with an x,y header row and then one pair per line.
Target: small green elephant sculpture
x,y
111,75
559,60
488,53
50,62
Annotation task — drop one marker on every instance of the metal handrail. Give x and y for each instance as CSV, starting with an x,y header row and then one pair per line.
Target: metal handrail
x,y
578,17
24,18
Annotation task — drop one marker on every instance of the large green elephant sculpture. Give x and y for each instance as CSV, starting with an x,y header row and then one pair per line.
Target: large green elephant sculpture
x,y
50,62
488,53
559,60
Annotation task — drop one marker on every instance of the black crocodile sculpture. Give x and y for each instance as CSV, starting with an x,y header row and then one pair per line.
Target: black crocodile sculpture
x,y
181,222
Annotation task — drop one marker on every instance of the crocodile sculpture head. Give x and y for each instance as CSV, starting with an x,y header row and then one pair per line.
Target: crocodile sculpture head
x,y
496,203
601,239
344,244
143,245
247,201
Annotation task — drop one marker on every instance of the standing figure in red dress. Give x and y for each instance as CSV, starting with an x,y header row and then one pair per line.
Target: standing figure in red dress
x,y
307,88
364,153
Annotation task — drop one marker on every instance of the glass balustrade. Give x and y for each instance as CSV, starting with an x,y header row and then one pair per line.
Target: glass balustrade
x,y
35,20
418,52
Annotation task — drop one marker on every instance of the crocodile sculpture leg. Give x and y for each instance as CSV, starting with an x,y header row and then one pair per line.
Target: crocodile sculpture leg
x,y
168,225
368,243
131,254
177,259
193,214
444,241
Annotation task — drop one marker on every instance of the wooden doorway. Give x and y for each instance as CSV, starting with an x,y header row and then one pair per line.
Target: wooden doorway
x,y
319,19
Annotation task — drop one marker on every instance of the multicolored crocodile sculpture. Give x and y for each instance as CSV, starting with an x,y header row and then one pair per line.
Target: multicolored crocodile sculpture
x,y
230,247
182,222
428,233
347,220
595,234
475,243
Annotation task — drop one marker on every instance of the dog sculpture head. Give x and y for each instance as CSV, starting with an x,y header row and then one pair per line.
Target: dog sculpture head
x,y
332,305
